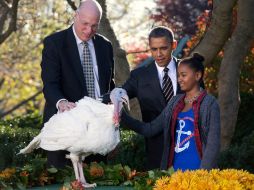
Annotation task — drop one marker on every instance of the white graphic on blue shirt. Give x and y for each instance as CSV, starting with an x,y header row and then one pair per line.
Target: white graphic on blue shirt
x,y
186,156
180,132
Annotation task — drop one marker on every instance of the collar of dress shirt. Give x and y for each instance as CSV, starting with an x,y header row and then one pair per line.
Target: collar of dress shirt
x,y
170,66
78,40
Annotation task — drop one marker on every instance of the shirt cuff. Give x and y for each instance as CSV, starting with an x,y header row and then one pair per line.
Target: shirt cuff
x,y
59,102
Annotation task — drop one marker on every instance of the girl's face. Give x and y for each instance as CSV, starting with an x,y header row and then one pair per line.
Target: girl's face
x,y
187,77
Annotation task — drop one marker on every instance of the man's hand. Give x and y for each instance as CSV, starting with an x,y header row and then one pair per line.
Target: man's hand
x,y
106,98
64,105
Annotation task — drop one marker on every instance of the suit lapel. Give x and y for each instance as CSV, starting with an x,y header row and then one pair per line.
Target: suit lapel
x,y
101,66
74,58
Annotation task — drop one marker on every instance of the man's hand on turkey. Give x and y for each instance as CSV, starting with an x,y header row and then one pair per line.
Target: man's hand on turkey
x,y
64,105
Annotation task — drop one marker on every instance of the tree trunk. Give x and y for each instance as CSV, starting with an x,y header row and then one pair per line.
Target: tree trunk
x,y
218,32
7,26
122,69
236,50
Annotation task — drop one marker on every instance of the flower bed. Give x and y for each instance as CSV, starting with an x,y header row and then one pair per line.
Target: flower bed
x,y
228,179
36,174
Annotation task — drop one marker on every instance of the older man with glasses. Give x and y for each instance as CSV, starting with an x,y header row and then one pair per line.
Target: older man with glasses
x,y
76,62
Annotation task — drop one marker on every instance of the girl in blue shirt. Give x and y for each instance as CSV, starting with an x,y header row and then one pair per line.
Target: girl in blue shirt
x,y
190,122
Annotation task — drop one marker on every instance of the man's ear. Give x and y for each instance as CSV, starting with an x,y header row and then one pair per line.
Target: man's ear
x,y
174,44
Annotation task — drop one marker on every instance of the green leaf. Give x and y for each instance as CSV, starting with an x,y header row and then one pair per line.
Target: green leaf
x,y
8,188
171,170
151,174
107,182
67,179
3,184
128,183
67,184
127,170
52,170
118,167
21,186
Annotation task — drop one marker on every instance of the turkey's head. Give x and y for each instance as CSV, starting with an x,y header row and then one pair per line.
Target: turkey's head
x,y
118,97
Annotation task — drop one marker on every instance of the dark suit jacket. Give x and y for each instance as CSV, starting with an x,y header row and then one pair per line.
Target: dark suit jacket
x,y
144,84
62,73
62,76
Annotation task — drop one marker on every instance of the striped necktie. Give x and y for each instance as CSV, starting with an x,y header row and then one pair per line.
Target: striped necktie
x,y
88,70
167,86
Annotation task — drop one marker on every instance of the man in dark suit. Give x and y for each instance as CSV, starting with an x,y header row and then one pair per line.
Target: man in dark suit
x,y
147,84
76,62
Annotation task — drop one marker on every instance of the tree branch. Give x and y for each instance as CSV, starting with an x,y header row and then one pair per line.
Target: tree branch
x,y
20,104
72,4
235,52
13,23
138,51
2,82
218,32
4,9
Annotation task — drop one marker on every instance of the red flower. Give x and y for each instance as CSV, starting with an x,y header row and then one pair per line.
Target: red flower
x,y
77,185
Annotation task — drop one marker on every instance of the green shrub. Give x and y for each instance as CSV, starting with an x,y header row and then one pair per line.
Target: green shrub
x,y
239,156
12,139
130,151
17,132
32,120
245,120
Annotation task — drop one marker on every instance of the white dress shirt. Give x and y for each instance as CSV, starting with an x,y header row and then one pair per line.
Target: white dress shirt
x,y
80,46
94,60
171,73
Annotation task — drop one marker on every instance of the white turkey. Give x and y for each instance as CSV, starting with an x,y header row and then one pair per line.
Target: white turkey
x,y
89,128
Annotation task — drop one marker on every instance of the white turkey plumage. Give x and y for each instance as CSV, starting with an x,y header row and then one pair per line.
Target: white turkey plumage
x,y
89,128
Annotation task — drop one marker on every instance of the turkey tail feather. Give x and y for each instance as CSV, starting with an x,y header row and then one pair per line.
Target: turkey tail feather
x,y
35,143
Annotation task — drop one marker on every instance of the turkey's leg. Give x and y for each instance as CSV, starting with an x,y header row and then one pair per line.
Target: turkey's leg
x,y
82,177
81,173
78,169
75,160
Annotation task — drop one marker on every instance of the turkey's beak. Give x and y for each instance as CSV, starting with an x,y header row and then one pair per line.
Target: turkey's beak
x,y
125,100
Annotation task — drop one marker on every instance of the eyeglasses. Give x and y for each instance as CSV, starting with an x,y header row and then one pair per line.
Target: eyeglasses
x,y
87,25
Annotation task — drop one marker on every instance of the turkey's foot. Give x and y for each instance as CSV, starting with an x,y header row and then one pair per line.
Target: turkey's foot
x,y
88,185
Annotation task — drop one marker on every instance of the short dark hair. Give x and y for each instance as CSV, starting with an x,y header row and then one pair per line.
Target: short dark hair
x,y
195,62
161,31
